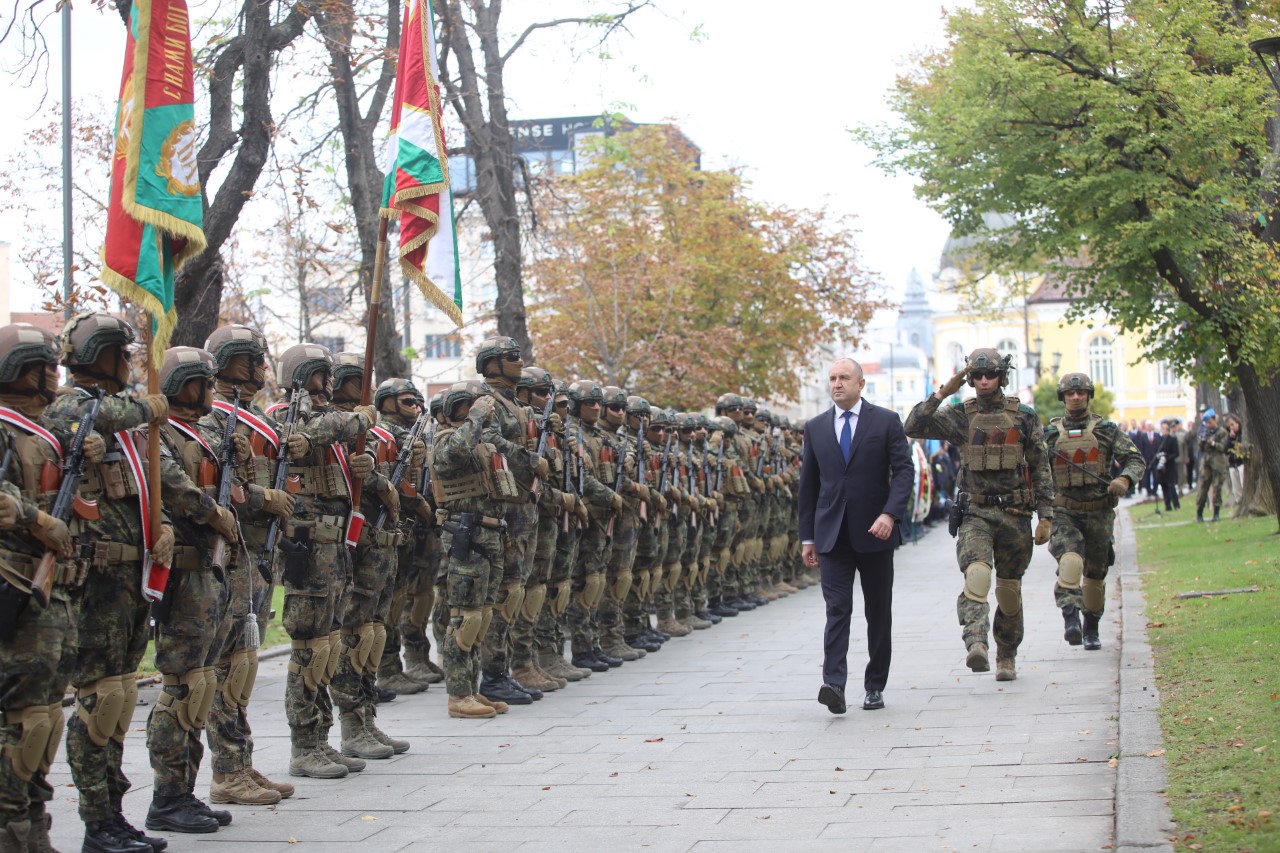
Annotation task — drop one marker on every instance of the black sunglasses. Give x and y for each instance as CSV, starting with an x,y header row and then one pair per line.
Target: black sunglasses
x,y
409,401
733,409
984,374
686,429
616,407
512,356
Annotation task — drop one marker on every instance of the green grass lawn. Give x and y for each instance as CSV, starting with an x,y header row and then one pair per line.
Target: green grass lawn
x,y
1218,665
275,634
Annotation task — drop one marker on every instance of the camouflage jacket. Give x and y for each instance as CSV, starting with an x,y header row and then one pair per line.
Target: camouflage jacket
x,y
416,502
453,456
257,473
22,483
1114,447
185,501
1213,447
513,419
592,491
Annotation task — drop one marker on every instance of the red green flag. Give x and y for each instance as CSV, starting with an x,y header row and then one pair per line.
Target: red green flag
x,y
155,222
417,186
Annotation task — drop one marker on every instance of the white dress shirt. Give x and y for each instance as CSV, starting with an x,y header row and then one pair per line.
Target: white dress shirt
x,y
853,421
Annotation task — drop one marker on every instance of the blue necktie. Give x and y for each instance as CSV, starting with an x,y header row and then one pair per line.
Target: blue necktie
x,y
846,437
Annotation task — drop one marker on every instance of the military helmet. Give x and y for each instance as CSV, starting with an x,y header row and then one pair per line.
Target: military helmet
x,y
22,344
181,365
614,396
638,406
584,391
436,406
987,358
726,424
700,421
347,365
1074,382
562,386
299,361
660,417
763,414
228,341
494,347
390,388
727,400
535,377
456,394
749,405
88,334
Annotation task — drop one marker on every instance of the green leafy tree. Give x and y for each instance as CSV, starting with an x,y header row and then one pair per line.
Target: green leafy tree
x,y
1134,142
1045,398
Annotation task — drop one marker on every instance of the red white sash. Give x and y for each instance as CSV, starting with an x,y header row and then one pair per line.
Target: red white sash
x,y
155,577
254,422
384,435
190,432
356,523
274,407
29,426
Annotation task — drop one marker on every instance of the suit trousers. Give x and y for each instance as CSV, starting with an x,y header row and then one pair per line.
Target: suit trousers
x,y
875,572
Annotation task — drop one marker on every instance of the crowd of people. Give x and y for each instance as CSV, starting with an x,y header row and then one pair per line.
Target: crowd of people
x,y
530,529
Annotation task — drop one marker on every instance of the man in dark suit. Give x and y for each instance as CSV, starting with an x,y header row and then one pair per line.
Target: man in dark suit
x,y
1148,441
854,484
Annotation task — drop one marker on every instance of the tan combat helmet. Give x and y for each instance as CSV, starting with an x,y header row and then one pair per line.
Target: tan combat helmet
x,y
987,358
22,344
181,365
1075,382
300,361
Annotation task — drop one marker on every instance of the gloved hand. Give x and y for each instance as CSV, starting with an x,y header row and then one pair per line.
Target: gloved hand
x,y
390,497
1119,487
298,446
8,511
482,408
361,465
568,500
1043,528
555,422
95,447
662,503
713,505
223,520
580,510
369,412
952,385
52,532
418,455
158,405
243,450
162,548
424,511
616,504
758,485
278,502
639,491
542,469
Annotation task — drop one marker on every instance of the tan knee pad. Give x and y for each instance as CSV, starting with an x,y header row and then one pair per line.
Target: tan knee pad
x,y
313,672
1070,570
335,646
560,603
55,738
671,573
129,682
512,600
1095,594
619,586
689,575
739,555
31,751
379,646
487,613
977,581
593,590
723,558
1009,595
535,597
192,709
359,651
420,606
469,627
107,710
641,584
242,672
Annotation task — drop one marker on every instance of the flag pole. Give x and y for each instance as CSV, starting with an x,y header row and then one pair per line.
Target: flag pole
x,y
153,436
375,304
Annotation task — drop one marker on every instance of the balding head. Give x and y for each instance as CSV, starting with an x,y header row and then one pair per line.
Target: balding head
x,y
845,381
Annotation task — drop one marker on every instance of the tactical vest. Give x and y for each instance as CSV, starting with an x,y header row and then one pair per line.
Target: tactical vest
x,y
1080,445
41,472
489,477
319,473
994,439
113,477
258,469
602,456
386,449
196,459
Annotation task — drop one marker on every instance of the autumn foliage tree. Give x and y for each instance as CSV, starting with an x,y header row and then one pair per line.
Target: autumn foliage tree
x,y
659,277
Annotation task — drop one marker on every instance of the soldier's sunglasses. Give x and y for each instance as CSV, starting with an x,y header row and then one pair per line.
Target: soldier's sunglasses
x,y
733,408
561,404
686,429
512,356
616,407
409,401
984,374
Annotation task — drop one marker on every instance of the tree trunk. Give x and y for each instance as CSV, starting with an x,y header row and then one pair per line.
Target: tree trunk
x,y
1262,399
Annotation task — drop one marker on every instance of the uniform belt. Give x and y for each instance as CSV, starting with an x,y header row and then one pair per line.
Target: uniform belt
x,y
1021,499
391,538
443,515
109,553
1105,502
187,558
24,565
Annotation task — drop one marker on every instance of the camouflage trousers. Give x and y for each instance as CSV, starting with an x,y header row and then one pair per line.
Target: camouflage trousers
x,y
588,585
619,577
535,591
651,550
517,563
472,581
720,581
414,598
1088,534
190,639
549,632
36,666
1002,540
1212,479
363,632
690,595
113,635
665,586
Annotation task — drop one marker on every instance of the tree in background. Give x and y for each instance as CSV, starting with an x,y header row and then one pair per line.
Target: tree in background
x,y
656,276
1047,405
1131,142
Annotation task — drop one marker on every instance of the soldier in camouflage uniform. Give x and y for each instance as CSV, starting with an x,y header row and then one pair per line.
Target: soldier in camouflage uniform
x,y
37,644
112,634
422,551
316,562
472,488
688,591
673,485
1213,465
1005,473
1083,448
192,619
621,551
368,601
240,363
652,531
728,548
749,550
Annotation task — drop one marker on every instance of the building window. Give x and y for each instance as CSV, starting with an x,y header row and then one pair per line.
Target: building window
x,y
442,346
1008,346
1166,376
1102,367
871,389
333,345
898,386
957,357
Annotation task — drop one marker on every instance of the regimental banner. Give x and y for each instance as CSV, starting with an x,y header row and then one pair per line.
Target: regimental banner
x,y
155,222
417,186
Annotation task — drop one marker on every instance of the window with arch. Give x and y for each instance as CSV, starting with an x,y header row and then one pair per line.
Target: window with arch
x,y
1102,365
1008,346
1166,376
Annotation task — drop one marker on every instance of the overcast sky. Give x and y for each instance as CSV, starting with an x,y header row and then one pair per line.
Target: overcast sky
x,y
771,88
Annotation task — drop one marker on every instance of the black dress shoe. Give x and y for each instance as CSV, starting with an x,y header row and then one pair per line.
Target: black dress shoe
x,y
128,830
613,662
833,698
497,690
178,814
708,616
533,692
591,662
874,701
222,816
104,836
1071,624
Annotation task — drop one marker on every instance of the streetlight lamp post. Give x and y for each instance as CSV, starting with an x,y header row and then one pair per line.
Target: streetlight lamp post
x,y
1268,52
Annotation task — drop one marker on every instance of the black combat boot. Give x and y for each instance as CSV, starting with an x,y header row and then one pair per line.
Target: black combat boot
x,y
611,660
588,660
178,814
105,836
1091,641
1071,624
499,690
128,830
708,616
1199,515
718,607
222,816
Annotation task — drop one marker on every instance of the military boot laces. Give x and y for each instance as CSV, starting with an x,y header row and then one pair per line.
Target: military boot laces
x,y
178,814
529,676
371,726
559,680
1071,624
349,762
1005,669
977,659
128,830
284,789
106,836
358,742
242,789
498,707
309,759
618,649
468,708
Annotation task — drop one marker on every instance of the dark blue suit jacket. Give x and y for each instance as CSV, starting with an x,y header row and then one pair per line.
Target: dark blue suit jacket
x,y
878,479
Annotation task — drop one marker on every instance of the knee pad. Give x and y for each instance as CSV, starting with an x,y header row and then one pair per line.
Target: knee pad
x,y
723,556
593,591
192,699
559,603
379,646
512,601
1094,590
641,584
358,652
108,708
331,665
313,671
534,598
620,586
739,554
1070,570
469,627
420,607
241,674
1009,595
977,581
31,752
487,613
670,577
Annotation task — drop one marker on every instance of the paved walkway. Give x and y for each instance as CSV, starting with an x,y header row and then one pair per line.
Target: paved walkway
x,y
717,743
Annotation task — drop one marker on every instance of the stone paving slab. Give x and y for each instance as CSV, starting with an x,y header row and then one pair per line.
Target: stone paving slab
x,y
717,743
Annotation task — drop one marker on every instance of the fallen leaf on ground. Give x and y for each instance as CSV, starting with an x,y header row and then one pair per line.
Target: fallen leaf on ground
x,y
1155,752
1113,762
653,740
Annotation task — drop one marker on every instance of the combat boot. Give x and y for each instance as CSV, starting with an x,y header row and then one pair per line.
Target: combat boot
x,y
977,659
241,788
38,840
531,677
1215,515
127,830
719,607
588,660
350,762
500,690
401,682
418,666
498,707
307,758
105,836
783,586
1071,624
767,594
469,708
674,628
1005,669
1091,641
696,622
1199,515
357,741
14,835
616,648
178,814
284,789
708,616
557,666
397,745
559,680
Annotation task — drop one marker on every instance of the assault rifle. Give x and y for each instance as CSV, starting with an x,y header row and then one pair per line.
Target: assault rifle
x,y
664,478
282,477
566,478
544,434
642,442
226,478
68,497
401,466
619,475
